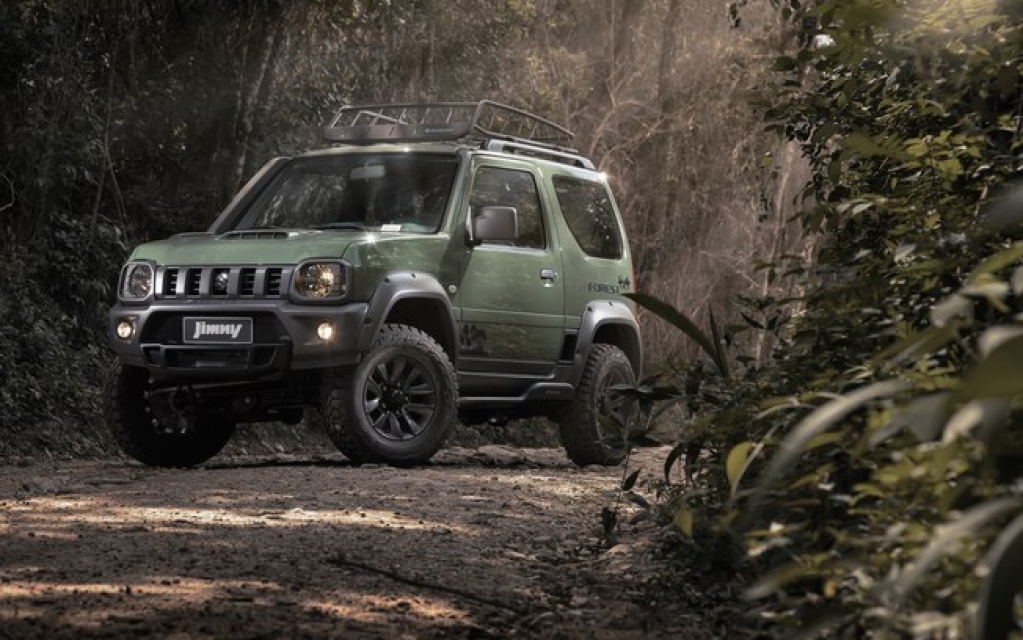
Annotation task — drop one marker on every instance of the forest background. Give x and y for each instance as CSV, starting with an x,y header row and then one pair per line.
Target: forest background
x,y
820,198
126,121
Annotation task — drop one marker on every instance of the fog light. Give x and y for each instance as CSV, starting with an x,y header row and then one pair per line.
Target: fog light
x,y
125,329
325,331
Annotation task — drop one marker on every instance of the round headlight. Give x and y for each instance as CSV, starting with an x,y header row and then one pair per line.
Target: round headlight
x,y
221,279
319,280
138,281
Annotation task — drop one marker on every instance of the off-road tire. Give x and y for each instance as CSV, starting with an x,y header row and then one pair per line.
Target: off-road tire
x,y
586,440
398,405
139,433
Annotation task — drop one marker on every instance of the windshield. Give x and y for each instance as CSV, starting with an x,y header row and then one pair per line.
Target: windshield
x,y
380,192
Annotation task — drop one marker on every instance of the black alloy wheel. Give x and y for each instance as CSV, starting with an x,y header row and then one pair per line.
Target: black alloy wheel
x,y
396,406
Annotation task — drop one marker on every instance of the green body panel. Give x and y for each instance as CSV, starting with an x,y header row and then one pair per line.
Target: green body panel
x,y
374,256
207,249
587,278
508,313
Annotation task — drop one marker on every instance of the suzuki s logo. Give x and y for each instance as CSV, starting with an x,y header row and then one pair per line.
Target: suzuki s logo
x,y
209,329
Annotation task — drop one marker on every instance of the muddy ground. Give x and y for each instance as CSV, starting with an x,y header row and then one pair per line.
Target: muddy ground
x,y
489,542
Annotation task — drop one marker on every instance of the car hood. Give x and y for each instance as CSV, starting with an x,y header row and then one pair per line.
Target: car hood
x,y
277,246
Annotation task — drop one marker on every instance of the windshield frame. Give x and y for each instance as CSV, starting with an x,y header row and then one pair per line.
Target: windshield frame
x,y
393,191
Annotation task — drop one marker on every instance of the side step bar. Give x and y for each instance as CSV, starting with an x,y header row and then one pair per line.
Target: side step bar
x,y
541,391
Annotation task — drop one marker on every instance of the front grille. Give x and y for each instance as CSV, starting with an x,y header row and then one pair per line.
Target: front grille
x,y
273,282
170,280
209,282
248,282
192,282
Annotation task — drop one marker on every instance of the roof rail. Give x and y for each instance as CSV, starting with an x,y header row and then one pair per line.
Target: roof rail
x,y
446,121
538,151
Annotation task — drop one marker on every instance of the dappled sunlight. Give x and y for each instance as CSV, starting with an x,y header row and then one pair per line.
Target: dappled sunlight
x,y
367,553
181,589
28,598
24,598
382,609
40,514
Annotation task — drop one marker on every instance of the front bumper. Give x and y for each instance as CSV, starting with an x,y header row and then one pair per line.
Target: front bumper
x,y
284,338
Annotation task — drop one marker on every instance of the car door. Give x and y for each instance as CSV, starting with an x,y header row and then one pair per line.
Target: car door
x,y
512,294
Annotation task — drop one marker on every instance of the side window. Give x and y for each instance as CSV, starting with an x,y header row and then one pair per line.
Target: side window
x,y
497,187
590,215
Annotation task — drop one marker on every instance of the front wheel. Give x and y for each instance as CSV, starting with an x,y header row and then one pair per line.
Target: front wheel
x,y
594,426
398,405
159,427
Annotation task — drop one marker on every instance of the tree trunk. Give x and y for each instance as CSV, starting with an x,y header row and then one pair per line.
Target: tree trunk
x,y
666,180
255,78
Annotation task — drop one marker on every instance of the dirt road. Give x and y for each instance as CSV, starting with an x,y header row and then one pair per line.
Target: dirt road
x,y
491,542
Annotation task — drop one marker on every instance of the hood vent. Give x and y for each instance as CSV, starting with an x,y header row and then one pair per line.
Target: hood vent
x,y
258,234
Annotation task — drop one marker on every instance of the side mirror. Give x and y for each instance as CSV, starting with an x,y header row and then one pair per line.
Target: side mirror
x,y
495,224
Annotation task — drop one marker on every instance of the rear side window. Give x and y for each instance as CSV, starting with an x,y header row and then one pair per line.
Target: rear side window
x,y
590,215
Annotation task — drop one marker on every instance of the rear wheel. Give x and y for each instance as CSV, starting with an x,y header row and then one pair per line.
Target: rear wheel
x,y
396,406
593,427
160,427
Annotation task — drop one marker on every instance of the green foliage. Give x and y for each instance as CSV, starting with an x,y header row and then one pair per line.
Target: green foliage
x,y
48,401
875,459
870,466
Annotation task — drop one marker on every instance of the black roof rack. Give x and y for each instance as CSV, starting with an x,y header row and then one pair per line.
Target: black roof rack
x,y
446,121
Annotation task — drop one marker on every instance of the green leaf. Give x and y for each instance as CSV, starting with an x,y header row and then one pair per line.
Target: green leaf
x,y
996,262
954,307
969,523
735,465
924,416
630,482
637,499
963,420
784,63
918,147
814,424
682,323
1004,562
684,521
673,456
788,574
912,347
720,358
997,336
822,440
1004,210
999,373
862,144
984,417
1017,281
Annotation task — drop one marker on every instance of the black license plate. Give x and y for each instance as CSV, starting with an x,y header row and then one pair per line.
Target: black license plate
x,y
217,330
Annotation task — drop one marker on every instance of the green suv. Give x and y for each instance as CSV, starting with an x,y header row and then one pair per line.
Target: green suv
x,y
438,261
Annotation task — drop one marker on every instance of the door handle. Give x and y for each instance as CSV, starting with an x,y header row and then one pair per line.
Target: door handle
x,y
548,274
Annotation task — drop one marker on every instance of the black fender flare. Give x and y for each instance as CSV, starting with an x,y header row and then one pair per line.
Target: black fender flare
x,y
398,287
615,323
